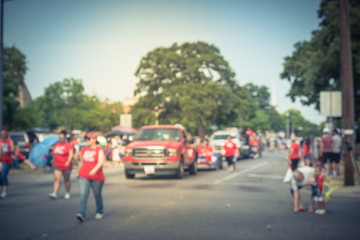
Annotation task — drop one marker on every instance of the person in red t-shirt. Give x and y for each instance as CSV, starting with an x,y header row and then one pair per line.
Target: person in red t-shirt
x,y
206,151
63,155
305,153
293,156
231,150
6,150
91,175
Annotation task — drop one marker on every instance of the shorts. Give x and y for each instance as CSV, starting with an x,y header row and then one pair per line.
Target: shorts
x,y
335,157
63,172
319,197
326,156
294,164
230,160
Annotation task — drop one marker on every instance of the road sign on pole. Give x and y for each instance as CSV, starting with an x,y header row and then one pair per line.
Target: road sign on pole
x,y
331,103
126,120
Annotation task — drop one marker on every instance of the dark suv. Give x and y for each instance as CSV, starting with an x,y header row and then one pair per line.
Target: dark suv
x,y
24,140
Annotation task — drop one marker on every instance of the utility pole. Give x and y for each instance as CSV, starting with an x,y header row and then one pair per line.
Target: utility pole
x,y
348,87
1,63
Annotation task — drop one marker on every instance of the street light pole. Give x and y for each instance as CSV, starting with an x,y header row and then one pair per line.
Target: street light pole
x,y
348,87
1,63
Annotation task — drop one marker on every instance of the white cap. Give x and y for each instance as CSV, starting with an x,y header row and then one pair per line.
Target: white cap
x,y
326,130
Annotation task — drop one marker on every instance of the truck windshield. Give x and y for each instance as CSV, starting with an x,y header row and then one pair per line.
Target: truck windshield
x,y
159,134
218,137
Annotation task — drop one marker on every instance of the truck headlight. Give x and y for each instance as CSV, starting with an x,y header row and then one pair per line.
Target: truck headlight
x,y
128,152
173,152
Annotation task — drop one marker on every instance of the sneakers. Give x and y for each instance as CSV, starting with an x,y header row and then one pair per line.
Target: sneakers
x,y
80,217
320,211
67,196
98,216
53,196
3,195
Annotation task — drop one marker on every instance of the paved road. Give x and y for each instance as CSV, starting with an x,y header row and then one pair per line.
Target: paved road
x,y
250,203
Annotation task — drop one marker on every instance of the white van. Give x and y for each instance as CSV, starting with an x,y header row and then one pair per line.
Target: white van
x,y
218,139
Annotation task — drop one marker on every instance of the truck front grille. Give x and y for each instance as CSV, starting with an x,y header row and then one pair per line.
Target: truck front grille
x,y
149,153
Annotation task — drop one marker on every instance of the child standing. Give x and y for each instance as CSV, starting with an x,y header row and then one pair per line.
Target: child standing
x,y
319,179
19,157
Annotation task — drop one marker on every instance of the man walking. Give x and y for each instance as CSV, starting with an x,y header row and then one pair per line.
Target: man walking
x,y
326,147
335,159
231,150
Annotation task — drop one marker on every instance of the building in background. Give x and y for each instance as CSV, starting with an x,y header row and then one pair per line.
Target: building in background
x,y
24,95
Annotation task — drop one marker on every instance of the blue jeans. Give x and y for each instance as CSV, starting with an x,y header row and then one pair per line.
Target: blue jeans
x,y
5,170
16,163
96,187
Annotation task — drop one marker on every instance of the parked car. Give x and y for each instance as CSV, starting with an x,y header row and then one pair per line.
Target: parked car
x,y
24,140
44,135
163,149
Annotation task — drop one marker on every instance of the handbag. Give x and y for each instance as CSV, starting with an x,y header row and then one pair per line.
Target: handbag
x,y
288,176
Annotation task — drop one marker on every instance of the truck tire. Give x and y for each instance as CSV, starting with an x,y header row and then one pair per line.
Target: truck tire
x,y
180,171
129,175
193,168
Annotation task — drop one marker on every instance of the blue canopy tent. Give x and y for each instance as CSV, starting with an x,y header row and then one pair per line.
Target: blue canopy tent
x,y
40,151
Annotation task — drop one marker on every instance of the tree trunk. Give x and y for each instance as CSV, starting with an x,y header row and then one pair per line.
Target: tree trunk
x,y
200,128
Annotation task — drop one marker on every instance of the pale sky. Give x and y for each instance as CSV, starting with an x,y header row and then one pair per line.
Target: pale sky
x,y
102,42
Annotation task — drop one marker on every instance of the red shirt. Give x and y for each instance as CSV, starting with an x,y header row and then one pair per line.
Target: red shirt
x,y
6,154
205,151
19,156
306,150
295,154
90,157
230,148
249,132
61,155
320,183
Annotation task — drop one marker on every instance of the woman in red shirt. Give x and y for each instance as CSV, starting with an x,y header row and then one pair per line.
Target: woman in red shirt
x,y
231,150
7,148
91,175
63,155
294,154
305,153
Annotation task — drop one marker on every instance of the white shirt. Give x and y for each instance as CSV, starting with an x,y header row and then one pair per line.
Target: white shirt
x,y
337,143
308,175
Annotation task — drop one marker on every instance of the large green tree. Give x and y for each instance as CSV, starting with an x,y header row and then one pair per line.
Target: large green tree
x,y
314,65
193,84
298,124
260,94
64,103
14,69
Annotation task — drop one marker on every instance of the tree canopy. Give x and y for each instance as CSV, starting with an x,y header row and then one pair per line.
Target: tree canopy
x,y
14,69
314,65
193,84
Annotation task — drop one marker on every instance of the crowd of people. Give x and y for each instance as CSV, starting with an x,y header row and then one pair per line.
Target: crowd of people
x,y
310,171
310,161
89,172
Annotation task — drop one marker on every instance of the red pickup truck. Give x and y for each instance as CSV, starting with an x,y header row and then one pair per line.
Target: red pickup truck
x,y
163,149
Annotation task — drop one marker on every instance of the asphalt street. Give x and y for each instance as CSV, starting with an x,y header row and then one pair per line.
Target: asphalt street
x,y
249,203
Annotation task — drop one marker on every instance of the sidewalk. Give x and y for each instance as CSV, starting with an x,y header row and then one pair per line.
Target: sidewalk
x,y
348,191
